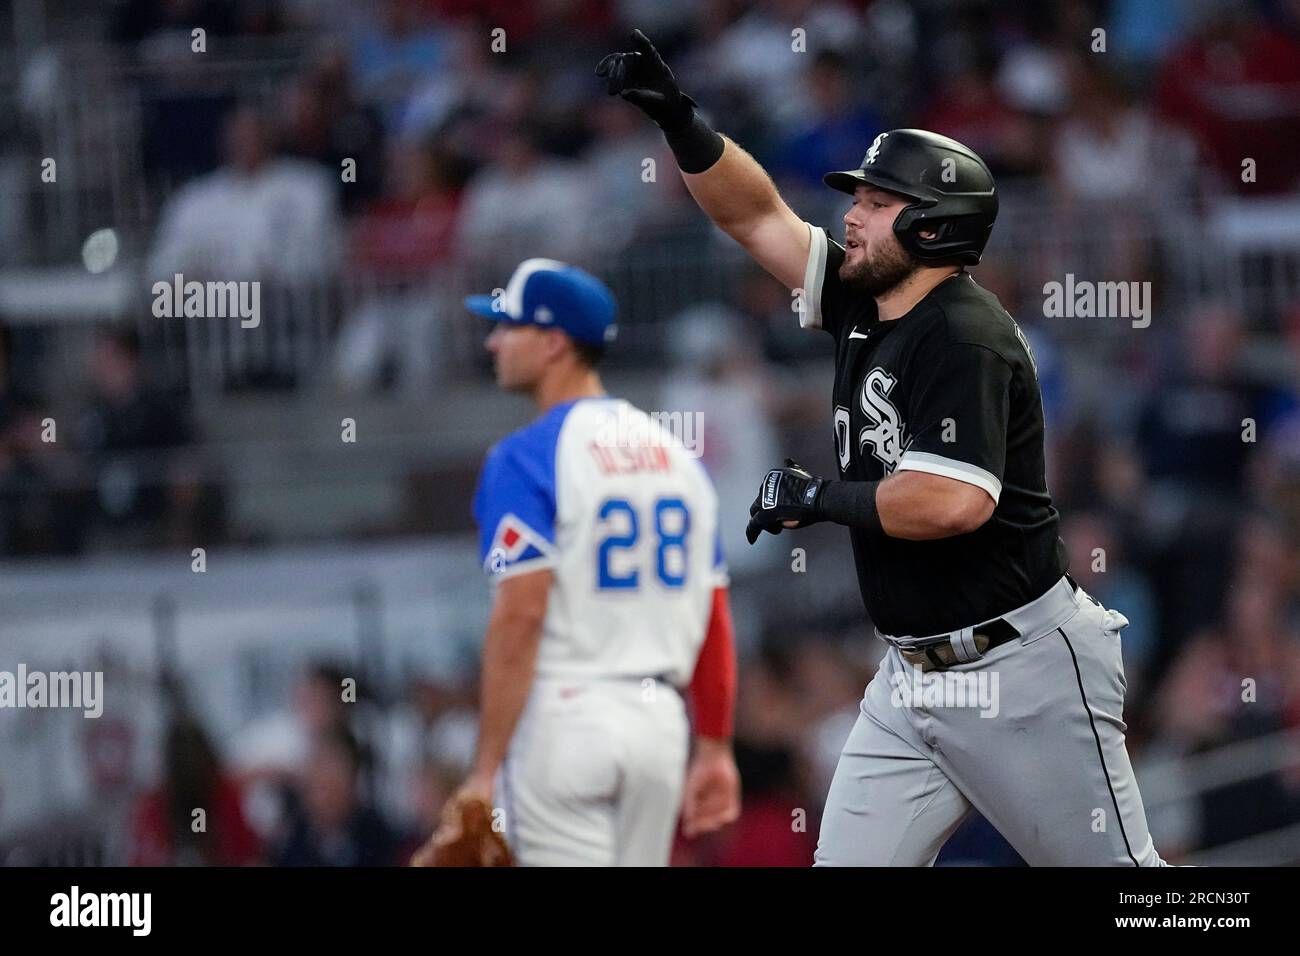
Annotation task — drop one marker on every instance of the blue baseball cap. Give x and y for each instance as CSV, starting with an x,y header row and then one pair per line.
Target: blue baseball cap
x,y
553,294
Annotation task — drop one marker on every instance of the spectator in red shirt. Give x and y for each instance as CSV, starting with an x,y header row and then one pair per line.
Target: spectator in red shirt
x,y
410,227
1235,85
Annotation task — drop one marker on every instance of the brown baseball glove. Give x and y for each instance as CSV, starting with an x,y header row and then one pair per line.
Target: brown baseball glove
x,y
465,838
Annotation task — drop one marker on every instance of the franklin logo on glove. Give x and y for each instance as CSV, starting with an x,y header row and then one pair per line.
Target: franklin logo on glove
x,y
769,489
789,497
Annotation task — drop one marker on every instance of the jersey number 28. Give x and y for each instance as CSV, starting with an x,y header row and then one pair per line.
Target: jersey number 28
x,y
672,523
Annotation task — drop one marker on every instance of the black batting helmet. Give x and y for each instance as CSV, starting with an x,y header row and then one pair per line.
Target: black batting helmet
x,y
951,189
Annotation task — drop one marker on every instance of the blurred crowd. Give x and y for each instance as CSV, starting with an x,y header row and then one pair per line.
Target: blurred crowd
x,y
326,781
411,135
123,474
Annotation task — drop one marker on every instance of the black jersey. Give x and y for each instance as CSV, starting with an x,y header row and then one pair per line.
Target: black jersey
x,y
949,388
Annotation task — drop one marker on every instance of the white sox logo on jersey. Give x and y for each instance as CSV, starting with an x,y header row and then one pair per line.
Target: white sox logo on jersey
x,y
885,434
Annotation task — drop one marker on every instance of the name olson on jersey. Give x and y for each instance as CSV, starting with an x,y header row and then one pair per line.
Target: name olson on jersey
x,y
621,460
628,444
886,433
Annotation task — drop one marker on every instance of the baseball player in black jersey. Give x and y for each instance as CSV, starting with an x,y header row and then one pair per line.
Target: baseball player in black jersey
x,y
1002,687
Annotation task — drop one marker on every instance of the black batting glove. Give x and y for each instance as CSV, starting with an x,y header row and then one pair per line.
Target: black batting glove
x,y
787,494
643,79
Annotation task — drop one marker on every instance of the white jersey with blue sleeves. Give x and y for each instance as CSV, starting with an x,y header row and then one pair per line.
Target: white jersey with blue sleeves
x,y
626,519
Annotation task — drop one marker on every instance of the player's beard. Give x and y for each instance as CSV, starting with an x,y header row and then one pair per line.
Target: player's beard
x,y
876,275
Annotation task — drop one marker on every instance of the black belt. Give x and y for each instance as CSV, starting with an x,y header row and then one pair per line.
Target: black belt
x,y
986,636
941,654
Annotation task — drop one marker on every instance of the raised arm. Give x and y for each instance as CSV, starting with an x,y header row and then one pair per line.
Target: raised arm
x,y
741,198
726,181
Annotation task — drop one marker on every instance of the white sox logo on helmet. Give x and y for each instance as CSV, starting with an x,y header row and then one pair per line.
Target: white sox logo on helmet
x,y
874,150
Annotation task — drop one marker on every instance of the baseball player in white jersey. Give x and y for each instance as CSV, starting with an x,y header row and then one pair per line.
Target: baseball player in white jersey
x,y
599,531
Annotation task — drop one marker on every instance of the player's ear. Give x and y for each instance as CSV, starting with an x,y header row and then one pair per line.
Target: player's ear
x,y
557,344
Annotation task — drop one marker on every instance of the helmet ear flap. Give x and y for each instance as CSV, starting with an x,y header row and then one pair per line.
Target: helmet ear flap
x,y
939,229
959,238
912,220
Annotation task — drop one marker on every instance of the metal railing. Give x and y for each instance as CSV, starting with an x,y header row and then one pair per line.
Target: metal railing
x,y
418,323
416,320
1178,781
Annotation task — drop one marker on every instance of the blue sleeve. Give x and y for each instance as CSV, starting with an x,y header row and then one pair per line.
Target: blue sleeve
x,y
720,575
514,506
